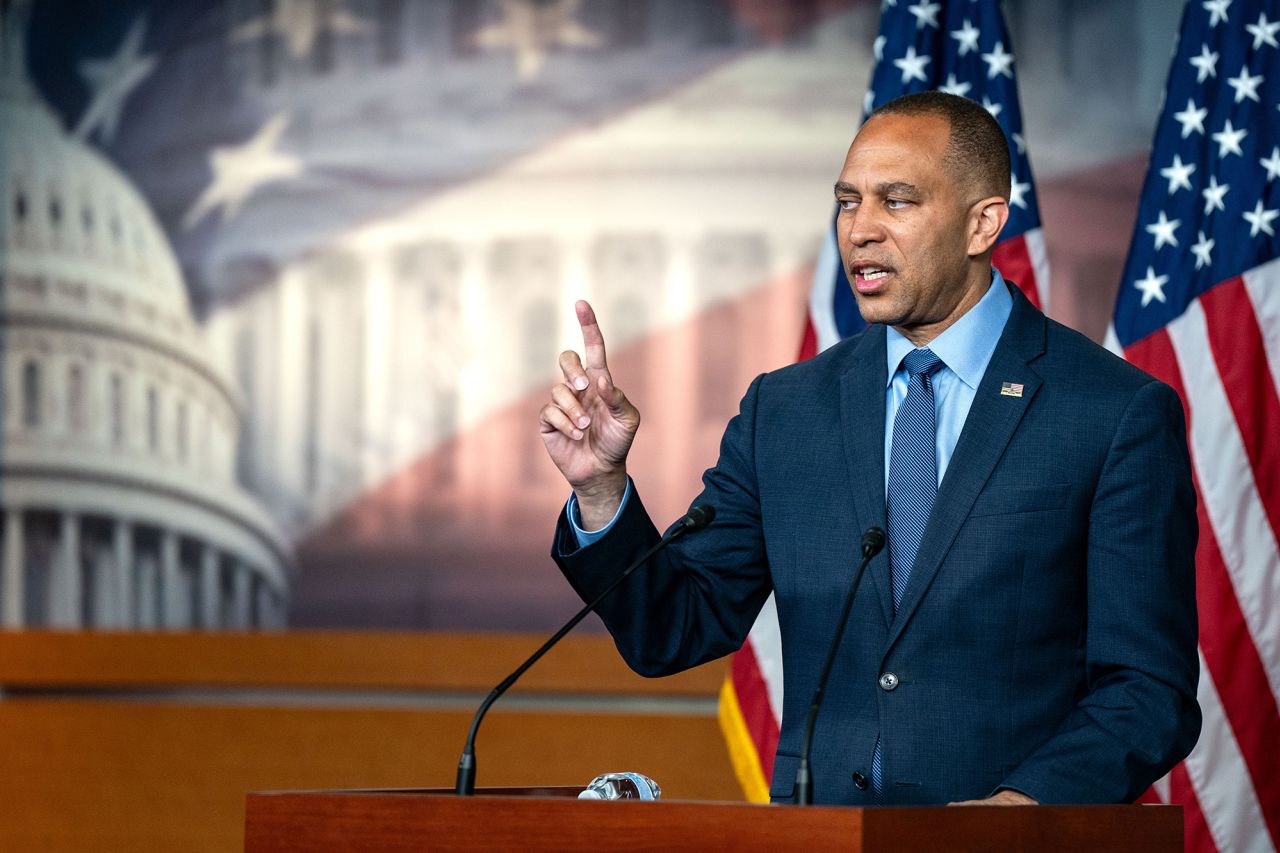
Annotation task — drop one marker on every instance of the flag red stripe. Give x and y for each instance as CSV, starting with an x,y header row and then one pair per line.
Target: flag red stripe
x,y
1229,652
1155,355
1014,262
1195,831
809,341
753,700
1236,341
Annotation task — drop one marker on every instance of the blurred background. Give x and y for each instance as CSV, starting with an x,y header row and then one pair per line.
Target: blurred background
x,y
286,280
284,286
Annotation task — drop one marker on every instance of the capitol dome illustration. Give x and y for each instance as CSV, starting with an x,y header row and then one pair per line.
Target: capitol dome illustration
x,y
121,507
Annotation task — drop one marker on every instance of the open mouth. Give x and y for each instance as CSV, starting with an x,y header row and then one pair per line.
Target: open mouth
x,y
868,278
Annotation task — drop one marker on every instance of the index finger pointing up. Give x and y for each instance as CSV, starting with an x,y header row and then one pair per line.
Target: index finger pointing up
x,y
592,340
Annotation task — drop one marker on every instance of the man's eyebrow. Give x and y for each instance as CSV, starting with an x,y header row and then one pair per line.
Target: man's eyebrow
x,y
896,188
899,188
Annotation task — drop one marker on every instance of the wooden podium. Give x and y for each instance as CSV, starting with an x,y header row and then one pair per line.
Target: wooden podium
x,y
553,819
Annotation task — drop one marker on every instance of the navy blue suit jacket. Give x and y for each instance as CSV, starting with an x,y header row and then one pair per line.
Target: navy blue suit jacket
x,y
1047,639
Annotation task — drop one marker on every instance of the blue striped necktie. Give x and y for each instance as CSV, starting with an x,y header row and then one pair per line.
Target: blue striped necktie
x,y
913,468
913,485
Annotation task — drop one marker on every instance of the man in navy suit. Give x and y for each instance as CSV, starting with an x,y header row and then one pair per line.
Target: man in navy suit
x,y
1029,635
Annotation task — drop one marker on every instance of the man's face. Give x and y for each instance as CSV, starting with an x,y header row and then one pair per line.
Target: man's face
x,y
903,226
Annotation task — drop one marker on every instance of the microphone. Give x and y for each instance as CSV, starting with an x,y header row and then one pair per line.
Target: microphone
x,y
694,520
872,543
697,518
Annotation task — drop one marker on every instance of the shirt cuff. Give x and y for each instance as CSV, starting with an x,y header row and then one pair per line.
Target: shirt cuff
x,y
588,537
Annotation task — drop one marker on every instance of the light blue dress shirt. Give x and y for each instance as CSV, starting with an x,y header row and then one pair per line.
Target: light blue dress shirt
x,y
586,537
965,347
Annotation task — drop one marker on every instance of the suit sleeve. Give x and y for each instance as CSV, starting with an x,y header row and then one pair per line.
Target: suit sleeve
x,y
696,600
1138,715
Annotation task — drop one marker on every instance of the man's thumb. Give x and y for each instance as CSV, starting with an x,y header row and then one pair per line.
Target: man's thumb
x,y
612,395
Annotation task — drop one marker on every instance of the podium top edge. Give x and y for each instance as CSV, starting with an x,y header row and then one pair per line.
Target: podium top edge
x,y
572,791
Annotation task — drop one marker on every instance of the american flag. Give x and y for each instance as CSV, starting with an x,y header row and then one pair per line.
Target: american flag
x,y
959,47
1199,307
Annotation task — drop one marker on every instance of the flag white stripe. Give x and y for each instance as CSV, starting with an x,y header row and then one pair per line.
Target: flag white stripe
x,y
1228,490
766,642
822,309
1222,781
1262,283
1112,341
1161,788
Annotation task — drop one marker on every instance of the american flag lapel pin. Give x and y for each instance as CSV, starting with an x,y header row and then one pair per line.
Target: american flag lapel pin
x,y
1010,389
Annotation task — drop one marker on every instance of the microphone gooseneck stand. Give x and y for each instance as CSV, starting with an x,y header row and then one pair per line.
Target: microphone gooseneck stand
x,y
697,518
872,543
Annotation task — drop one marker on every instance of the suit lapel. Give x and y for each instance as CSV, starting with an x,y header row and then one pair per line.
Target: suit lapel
x,y
990,425
862,394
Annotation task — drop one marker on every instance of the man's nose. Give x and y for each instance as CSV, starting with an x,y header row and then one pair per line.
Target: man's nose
x,y
862,226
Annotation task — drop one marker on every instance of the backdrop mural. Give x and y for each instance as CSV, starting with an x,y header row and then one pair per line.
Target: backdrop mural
x,y
284,281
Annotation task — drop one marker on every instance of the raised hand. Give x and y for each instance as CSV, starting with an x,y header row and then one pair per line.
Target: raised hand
x,y
589,425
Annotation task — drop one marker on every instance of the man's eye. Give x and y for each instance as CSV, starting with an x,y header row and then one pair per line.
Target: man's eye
x,y
847,203
896,203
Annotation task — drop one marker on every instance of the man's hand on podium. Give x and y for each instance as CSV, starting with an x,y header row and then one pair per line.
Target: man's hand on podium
x,y
1001,798
588,427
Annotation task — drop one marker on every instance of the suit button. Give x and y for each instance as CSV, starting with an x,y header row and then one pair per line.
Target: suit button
x,y
888,681
860,781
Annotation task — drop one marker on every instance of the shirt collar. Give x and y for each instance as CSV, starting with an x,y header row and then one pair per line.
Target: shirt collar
x,y
966,346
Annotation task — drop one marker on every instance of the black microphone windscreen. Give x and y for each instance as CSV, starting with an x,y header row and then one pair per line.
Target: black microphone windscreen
x,y
872,541
699,517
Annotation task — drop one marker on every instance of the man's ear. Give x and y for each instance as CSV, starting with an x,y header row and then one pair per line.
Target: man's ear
x,y
986,221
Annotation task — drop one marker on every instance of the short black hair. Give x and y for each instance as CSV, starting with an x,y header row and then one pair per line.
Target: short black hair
x,y
977,150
